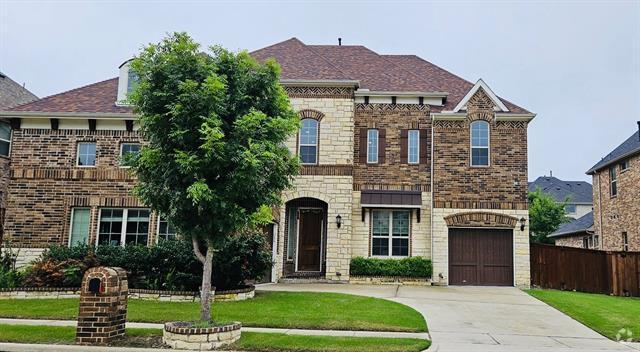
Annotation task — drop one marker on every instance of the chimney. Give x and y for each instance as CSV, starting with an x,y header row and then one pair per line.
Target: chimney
x,y
340,44
550,173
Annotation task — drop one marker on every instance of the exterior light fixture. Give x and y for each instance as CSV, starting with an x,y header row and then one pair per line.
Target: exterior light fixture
x,y
523,221
338,220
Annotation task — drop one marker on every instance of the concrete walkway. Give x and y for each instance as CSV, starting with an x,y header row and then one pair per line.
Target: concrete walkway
x,y
350,333
481,318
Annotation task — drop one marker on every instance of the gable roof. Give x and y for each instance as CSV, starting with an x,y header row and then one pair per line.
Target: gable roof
x,y
627,148
581,224
94,98
578,192
12,93
462,104
301,62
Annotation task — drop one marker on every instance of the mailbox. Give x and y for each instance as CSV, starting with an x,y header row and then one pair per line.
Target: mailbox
x,y
103,306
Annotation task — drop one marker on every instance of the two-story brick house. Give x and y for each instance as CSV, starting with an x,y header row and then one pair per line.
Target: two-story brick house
x,y
400,158
615,225
11,94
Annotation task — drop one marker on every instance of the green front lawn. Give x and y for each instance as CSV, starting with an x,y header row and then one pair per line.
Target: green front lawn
x,y
249,341
602,313
302,310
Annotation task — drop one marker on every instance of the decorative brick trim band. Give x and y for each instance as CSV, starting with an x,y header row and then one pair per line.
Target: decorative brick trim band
x,y
511,125
480,205
481,219
110,174
320,92
392,107
391,187
184,328
77,132
481,115
449,125
326,170
311,114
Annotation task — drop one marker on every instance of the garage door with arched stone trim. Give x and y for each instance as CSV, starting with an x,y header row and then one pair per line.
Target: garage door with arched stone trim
x,y
481,257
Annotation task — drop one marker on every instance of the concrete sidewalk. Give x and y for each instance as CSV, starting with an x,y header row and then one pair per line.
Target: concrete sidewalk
x,y
346,333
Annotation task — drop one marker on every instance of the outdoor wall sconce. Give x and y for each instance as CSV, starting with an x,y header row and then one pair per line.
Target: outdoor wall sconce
x,y
523,221
338,220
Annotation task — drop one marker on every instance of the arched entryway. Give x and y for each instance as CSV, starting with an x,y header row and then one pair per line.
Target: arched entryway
x,y
305,238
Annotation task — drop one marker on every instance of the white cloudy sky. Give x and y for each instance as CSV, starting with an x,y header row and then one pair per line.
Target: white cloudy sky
x,y
575,63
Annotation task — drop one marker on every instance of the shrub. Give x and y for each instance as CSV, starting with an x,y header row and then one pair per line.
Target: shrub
x,y
242,257
9,276
408,267
169,265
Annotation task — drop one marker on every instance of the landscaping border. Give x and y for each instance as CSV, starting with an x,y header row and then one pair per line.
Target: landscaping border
x,y
152,295
389,280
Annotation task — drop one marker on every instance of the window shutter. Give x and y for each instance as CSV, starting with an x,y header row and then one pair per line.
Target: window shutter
x,y
424,146
382,145
404,146
363,146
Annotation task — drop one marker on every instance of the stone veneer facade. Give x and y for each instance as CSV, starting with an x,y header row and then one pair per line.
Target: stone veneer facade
x,y
614,215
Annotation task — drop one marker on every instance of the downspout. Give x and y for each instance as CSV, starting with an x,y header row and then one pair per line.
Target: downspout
x,y
431,193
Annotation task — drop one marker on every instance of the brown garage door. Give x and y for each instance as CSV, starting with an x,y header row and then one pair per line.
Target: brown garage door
x,y
481,257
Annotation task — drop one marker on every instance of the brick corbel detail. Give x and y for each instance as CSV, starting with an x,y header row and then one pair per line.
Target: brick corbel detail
x,y
481,219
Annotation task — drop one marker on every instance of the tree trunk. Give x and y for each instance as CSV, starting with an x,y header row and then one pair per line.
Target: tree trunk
x,y
205,289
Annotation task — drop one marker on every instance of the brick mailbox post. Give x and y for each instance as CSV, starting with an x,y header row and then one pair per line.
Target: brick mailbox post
x,y
103,306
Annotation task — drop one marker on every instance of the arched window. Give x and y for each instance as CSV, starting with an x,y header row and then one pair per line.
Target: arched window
x,y
480,143
308,144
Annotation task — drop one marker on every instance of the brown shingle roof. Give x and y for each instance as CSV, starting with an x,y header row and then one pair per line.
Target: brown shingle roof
x,y
386,73
94,98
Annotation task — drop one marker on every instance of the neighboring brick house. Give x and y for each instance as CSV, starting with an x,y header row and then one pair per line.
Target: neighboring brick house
x,y
576,195
616,196
400,158
578,233
11,94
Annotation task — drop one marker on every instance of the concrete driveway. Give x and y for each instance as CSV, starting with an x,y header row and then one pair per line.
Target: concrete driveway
x,y
481,318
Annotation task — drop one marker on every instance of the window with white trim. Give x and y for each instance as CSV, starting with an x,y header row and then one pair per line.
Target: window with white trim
x,y
308,143
86,154
390,233
413,138
166,232
132,81
372,146
625,242
80,219
127,149
624,165
613,178
570,208
123,226
5,138
480,143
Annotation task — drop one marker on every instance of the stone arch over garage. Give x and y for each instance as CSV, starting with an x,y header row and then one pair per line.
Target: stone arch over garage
x,y
481,219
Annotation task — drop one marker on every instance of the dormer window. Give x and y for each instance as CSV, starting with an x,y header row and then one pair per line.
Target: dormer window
x,y
126,83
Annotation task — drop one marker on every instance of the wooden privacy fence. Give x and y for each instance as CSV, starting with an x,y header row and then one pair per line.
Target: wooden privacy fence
x,y
585,270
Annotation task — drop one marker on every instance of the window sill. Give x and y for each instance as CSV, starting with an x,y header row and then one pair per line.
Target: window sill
x,y
85,166
5,157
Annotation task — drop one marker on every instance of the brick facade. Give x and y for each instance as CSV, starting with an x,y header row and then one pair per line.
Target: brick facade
x,y
614,215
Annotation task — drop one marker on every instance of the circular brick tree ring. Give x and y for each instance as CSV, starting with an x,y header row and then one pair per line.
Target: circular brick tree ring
x,y
182,335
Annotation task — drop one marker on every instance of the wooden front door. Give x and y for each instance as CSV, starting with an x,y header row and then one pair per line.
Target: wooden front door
x,y
481,257
310,227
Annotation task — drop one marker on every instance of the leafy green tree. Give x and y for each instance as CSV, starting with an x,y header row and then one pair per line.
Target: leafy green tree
x,y
545,216
216,123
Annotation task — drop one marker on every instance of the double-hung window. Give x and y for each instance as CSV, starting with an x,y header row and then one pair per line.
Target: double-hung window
x,y
624,165
625,242
86,154
308,143
5,139
165,230
123,226
390,233
413,139
479,143
127,151
372,146
80,218
613,178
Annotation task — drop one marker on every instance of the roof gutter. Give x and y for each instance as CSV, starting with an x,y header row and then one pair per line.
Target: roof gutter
x,y
409,94
66,115
612,161
319,83
562,234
